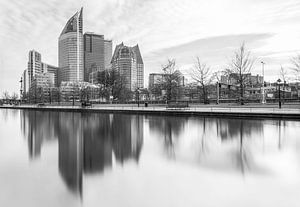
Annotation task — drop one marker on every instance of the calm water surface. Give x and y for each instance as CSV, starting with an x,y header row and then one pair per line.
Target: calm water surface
x,y
73,159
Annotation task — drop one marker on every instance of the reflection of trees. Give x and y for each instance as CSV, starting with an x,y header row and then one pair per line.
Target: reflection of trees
x,y
85,141
169,128
242,155
239,129
230,128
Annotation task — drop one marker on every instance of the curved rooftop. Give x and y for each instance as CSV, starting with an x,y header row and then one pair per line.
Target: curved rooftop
x,y
122,51
71,25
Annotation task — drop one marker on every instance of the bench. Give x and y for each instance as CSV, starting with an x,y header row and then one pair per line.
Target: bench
x,y
86,104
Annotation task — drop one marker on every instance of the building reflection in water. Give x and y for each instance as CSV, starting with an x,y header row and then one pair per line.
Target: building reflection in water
x,y
86,142
90,143
70,150
38,127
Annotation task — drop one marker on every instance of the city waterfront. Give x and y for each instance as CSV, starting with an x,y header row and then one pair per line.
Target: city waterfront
x,y
50,158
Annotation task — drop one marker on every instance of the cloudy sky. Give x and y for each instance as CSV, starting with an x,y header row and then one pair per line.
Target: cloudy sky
x,y
180,29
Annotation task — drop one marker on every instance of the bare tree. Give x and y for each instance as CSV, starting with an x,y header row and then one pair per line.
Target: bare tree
x,y
283,74
171,80
114,84
296,66
5,95
14,96
241,65
201,73
216,76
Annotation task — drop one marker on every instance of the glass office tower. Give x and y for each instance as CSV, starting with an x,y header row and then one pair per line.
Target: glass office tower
x,y
70,50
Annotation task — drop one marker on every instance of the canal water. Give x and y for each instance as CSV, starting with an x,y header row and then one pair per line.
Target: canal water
x,y
78,159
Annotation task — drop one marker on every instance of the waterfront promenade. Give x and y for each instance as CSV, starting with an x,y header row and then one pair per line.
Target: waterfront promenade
x,y
228,110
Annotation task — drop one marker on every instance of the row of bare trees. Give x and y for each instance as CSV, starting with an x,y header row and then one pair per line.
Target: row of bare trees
x,y
7,96
202,74
240,65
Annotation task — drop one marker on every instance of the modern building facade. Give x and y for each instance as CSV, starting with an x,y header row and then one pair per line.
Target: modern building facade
x,y
43,80
40,87
24,83
107,53
46,68
128,62
34,65
154,79
37,67
97,54
70,50
139,66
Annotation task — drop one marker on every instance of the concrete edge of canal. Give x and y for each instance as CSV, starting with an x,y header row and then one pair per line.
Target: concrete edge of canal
x,y
171,112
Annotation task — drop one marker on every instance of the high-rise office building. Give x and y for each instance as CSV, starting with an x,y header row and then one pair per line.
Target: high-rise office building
x,y
139,67
128,62
97,54
93,54
70,50
34,65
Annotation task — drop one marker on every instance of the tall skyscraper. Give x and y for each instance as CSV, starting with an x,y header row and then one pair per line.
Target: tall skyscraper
x,y
97,54
128,61
107,53
34,65
139,66
70,50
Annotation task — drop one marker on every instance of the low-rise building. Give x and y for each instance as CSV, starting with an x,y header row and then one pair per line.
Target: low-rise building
x,y
40,88
79,91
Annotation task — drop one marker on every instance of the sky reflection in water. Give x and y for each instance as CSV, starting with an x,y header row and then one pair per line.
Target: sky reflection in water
x,y
74,159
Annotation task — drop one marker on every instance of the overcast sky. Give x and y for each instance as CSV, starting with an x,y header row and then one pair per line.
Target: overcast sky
x,y
180,29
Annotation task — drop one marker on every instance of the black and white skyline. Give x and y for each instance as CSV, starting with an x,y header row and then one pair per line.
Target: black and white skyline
x,y
162,28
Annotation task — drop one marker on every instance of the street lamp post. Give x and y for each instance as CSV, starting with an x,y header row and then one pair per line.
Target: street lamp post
x,y
279,103
263,83
138,97
218,92
21,90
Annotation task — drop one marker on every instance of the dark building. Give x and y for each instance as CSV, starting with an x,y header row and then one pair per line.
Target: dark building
x,y
97,54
